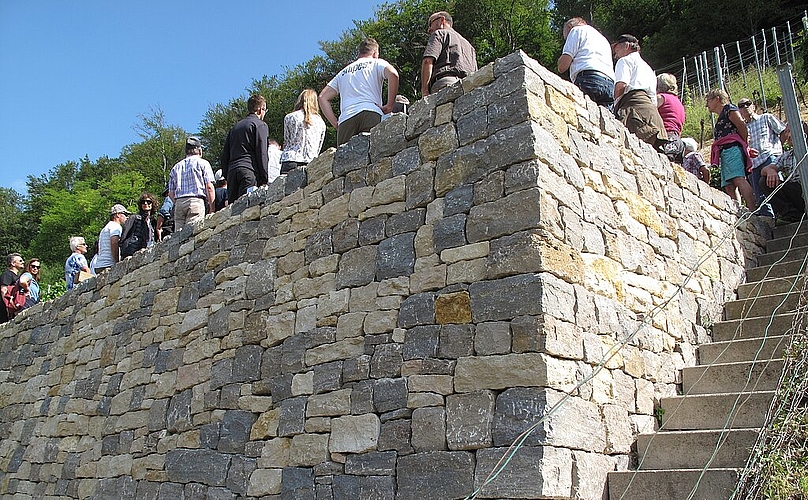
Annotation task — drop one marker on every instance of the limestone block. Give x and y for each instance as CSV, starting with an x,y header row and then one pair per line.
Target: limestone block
x,y
360,200
428,278
443,113
343,349
437,141
479,78
332,304
465,252
468,420
619,435
192,320
466,271
429,429
440,384
389,191
275,453
265,482
533,472
380,322
380,170
350,325
354,433
308,450
330,404
354,269
589,472
500,372
303,383
422,399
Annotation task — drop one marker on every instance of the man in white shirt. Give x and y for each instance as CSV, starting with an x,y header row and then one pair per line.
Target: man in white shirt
x,y
588,56
108,251
359,86
635,102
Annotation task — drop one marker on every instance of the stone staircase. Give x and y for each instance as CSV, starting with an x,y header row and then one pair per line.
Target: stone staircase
x,y
715,424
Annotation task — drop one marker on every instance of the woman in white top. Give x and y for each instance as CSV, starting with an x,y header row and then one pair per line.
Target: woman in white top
x,y
303,132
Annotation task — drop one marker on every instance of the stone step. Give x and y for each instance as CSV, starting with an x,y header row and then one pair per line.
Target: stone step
x,y
781,270
789,230
787,255
732,351
762,305
677,484
789,241
695,449
712,411
744,376
764,326
771,286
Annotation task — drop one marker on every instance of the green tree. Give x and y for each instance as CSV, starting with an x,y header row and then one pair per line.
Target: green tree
x,y
16,227
162,146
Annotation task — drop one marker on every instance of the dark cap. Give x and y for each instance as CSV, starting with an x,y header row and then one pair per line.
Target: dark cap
x,y
193,142
626,38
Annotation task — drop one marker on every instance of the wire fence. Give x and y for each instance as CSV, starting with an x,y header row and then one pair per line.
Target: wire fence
x,y
749,57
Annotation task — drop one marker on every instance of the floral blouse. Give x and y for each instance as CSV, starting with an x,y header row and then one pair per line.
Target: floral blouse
x,y
301,142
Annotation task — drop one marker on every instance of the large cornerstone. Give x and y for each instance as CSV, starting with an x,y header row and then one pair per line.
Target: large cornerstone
x,y
388,327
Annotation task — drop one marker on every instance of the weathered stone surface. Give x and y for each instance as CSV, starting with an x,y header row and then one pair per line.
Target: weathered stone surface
x,y
396,256
198,466
500,372
493,300
353,155
449,232
429,429
265,482
308,450
354,433
516,212
453,308
389,394
469,419
417,474
437,141
371,464
418,309
533,472
492,338
330,404
353,268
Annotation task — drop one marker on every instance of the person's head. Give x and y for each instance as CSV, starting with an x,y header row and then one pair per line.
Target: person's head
x,y
369,48
14,261
118,213
307,101
219,178
690,144
575,21
625,45
147,203
439,21
716,99
746,107
257,105
33,267
77,244
666,82
273,144
787,133
193,146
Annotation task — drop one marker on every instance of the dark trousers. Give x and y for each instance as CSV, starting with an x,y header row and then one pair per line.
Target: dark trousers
x,y
291,165
596,85
239,180
787,203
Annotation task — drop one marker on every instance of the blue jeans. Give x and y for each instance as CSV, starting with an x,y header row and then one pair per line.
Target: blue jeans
x,y
754,179
596,85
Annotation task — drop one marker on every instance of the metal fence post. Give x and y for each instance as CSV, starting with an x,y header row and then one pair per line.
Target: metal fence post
x,y
791,43
776,45
740,57
795,124
718,68
760,75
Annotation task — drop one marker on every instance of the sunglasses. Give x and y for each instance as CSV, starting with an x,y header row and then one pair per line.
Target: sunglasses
x,y
745,105
34,267
145,202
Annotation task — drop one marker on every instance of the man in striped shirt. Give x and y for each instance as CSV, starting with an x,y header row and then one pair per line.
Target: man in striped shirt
x,y
190,186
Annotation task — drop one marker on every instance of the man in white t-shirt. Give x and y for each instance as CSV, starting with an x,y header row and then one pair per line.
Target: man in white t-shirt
x,y
108,251
359,86
588,56
635,102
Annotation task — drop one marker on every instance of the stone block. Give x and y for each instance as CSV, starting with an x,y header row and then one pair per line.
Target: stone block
x,y
396,256
417,309
386,361
235,430
469,419
387,138
453,308
419,187
353,155
406,161
265,482
516,212
449,232
395,435
308,450
371,464
532,472
437,141
389,394
298,482
292,416
198,466
421,342
494,300
266,425
418,474
330,404
354,269
372,230
354,433
345,235
500,372
405,222
492,338
429,429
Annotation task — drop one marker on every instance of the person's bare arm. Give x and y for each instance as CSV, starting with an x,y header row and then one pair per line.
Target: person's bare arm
x,y
426,74
619,89
737,120
392,88
113,246
211,193
325,97
564,63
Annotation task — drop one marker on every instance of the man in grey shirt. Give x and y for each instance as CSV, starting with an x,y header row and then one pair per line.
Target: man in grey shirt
x,y
448,56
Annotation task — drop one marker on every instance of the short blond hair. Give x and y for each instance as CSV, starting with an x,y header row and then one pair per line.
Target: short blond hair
x,y
720,94
666,82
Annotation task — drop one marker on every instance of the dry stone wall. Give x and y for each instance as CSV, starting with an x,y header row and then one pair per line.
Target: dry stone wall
x,y
386,328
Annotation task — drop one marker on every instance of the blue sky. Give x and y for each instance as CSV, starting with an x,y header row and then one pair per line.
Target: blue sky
x,y
74,76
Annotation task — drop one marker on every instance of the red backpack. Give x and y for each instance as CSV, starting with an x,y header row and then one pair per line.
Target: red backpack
x,y
14,299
